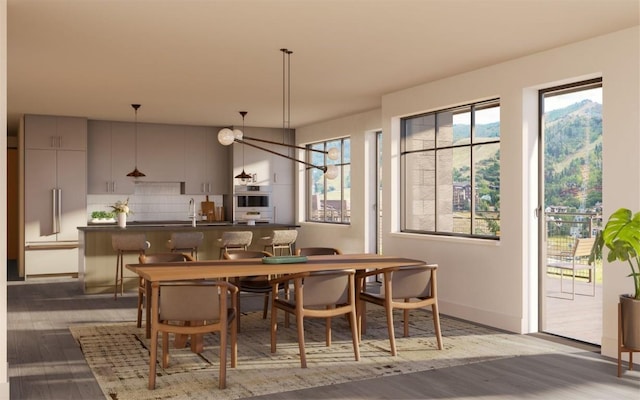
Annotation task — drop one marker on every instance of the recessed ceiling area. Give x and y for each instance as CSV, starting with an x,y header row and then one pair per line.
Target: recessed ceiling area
x,y
200,62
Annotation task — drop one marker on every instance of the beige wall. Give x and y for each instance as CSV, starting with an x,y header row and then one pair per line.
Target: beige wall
x,y
490,282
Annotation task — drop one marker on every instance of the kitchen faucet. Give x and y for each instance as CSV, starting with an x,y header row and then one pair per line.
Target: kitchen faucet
x,y
192,212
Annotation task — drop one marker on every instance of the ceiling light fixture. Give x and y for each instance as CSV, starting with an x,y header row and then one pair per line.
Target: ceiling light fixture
x,y
227,136
135,173
243,177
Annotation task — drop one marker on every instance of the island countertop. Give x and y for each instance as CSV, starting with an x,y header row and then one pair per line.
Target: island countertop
x,y
97,259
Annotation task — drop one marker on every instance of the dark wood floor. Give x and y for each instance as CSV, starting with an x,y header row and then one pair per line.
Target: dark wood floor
x,y
46,363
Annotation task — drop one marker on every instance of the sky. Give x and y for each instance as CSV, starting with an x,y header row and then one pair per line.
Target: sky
x,y
554,102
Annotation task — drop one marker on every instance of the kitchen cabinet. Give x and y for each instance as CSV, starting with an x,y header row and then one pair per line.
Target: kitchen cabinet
x,y
111,157
206,162
270,169
55,187
52,132
161,154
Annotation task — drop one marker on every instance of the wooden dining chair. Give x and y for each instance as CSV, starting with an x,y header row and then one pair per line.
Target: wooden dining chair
x,y
180,303
322,294
250,284
317,251
404,288
142,285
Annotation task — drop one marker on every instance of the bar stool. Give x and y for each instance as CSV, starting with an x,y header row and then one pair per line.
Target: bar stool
x,y
280,240
185,241
234,240
126,243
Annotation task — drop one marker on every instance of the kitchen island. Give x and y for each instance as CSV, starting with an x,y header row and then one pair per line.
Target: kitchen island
x,y
97,259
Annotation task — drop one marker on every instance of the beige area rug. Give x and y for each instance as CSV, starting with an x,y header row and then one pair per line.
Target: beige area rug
x,y
119,358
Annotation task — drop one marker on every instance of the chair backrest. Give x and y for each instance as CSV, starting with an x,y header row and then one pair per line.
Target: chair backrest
x,y
164,257
327,288
583,246
284,237
129,241
244,254
190,301
186,240
411,282
318,251
237,238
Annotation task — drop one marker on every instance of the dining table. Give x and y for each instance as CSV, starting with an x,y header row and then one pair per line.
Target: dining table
x,y
156,273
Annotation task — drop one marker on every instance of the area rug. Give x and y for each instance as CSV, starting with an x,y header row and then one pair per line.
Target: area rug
x,y
119,358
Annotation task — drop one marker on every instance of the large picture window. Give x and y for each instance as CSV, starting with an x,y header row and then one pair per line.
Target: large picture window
x,y
450,171
329,200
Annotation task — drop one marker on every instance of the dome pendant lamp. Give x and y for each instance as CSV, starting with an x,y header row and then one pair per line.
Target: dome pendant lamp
x,y
135,173
243,177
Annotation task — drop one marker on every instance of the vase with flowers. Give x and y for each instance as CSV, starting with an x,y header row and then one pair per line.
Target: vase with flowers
x,y
121,209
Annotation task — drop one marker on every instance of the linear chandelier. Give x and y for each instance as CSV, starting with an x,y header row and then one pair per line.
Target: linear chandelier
x,y
227,136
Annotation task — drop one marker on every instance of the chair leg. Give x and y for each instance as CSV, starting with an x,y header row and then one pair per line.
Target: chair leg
x,y
140,301
303,355
274,326
266,305
223,359
436,324
234,341
392,337
405,316
327,329
354,333
165,349
115,289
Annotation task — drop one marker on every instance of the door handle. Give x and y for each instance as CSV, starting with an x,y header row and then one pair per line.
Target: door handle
x,y
59,211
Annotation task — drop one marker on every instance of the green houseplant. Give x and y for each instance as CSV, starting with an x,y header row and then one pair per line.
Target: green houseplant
x,y
621,235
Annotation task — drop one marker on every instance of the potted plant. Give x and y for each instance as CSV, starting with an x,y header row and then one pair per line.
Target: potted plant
x,y
121,209
621,235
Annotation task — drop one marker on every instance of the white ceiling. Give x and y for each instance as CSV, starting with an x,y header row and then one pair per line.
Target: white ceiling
x,y
200,62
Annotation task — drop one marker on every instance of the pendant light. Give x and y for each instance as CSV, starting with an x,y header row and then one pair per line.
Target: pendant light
x,y
135,173
243,177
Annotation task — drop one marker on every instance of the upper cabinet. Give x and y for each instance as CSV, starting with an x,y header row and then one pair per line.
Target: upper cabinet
x,y
165,153
51,132
111,157
269,168
206,165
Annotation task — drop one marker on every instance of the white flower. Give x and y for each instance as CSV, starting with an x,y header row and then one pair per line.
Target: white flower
x,y
121,207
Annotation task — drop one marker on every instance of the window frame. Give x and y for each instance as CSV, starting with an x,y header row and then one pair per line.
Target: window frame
x,y
473,142
341,163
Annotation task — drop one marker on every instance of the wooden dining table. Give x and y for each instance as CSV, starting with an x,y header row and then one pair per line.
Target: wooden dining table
x,y
155,273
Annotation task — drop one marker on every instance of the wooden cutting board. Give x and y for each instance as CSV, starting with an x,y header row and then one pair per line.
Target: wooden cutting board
x,y
208,208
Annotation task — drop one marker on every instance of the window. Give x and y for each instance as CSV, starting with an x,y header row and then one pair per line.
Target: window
x,y
329,200
450,171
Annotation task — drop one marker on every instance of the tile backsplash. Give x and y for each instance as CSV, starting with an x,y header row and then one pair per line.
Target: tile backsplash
x,y
151,201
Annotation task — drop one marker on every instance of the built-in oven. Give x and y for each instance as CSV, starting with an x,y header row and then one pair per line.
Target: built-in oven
x,y
252,203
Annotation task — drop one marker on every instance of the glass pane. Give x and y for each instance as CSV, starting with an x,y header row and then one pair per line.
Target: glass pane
x,y
419,200
487,124
333,198
315,157
419,133
487,183
346,151
461,126
316,195
454,187
346,194
336,144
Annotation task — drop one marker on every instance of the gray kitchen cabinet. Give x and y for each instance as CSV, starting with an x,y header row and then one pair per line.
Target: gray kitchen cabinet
x,y
111,157
52,132
161,154
206,162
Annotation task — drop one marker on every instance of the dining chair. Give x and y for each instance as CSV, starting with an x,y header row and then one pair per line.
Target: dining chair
x,y
317,251
405,288
322,294
124,243
180,304
237,240
281,239
185,241
250,284
142,285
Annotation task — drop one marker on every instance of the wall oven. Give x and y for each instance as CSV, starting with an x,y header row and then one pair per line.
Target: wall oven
x,y
252,203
